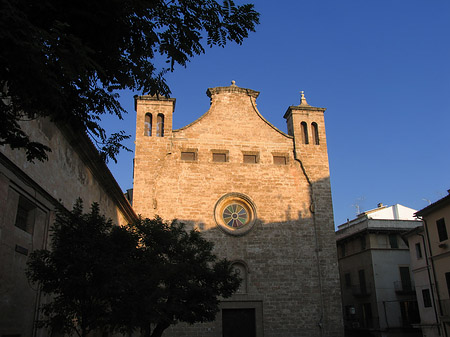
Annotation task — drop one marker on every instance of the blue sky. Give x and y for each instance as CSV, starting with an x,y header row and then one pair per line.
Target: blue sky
x,y
382,70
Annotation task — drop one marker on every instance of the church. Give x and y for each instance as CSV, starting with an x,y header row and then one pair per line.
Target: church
x,y
261,195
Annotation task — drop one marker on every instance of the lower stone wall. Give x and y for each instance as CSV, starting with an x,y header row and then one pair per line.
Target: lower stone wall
x,y
281,284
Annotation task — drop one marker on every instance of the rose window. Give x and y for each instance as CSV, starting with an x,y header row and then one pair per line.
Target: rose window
x,y
235,213
235,216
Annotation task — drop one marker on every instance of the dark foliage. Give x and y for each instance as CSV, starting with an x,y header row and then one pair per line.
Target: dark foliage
x,y
179,281
66,59
78,272
143,277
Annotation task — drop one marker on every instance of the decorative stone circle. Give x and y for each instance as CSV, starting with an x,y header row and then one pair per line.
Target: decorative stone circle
x,y
235,213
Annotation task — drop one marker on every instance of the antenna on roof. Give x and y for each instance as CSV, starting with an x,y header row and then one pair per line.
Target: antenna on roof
x,y
427,200
357,204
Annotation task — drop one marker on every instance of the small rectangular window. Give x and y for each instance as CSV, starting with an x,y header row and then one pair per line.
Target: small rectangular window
x,y
250,158
25,215
418,251
188,156
219,157
393,240
442,230
426,298
279,160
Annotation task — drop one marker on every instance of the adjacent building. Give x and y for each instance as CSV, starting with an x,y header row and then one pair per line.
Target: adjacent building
x,y
433,270
29,194
378,293
261,195
423,280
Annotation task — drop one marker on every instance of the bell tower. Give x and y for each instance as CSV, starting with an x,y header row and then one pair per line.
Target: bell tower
x,y
307,125
154,116
153,144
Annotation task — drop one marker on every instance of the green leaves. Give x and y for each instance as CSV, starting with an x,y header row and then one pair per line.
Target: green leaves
x,y
64,60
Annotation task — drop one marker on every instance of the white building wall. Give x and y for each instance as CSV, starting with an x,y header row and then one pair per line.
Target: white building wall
x,y
395,212
386,265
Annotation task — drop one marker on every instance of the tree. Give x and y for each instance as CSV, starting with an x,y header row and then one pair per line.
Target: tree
x,y
78,272
179,279
145,276
65,60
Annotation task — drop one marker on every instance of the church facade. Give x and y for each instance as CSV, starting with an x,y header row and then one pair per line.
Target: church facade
x,y
262,196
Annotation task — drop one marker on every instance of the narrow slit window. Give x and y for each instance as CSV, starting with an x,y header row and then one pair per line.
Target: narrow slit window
x,y
219,157
315,133
447,280
188,156
160,126
348,280
241,271
362,282
304,127
426,298
363,242
343,252
442,230
418,251
148,125
279,160
250,158
405,278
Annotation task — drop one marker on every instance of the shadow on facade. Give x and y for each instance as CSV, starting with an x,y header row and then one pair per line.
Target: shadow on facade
x,y
289,269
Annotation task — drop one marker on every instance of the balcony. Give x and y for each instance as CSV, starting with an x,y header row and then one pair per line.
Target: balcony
x,y
404,288
445,304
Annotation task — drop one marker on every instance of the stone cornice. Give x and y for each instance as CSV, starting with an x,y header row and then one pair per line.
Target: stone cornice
x,y
232,89
153,98
301,108
87,151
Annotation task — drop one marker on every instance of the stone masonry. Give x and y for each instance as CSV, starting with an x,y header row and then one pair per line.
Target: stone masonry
x,y
284,246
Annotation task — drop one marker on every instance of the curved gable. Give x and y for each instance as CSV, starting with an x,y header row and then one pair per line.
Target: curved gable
x,y
232,115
